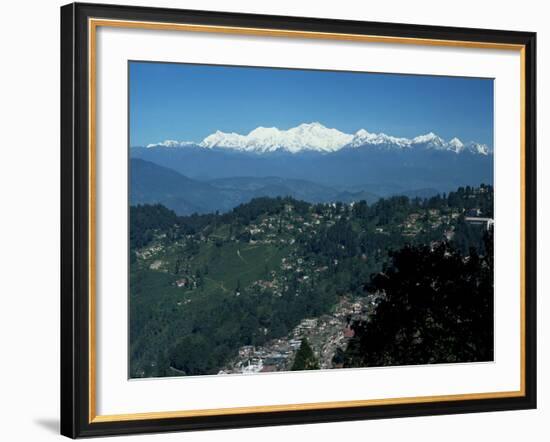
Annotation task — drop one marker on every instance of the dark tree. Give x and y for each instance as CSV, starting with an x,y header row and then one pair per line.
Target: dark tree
x,y
305,358
437,307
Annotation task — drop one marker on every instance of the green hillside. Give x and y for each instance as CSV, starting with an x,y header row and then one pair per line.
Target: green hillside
x,y
204,286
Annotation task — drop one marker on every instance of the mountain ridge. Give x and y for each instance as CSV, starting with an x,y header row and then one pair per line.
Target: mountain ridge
x,y
315,137
152,183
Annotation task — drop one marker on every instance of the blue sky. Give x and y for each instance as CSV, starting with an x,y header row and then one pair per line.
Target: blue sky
x,y
188,102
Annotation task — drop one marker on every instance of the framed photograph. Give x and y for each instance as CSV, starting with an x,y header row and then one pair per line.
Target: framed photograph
x,y
274,220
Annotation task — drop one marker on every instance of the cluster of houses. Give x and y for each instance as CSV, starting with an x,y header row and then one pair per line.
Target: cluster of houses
x,y
304,270
149,252
325,335
282,229
434,218
476,218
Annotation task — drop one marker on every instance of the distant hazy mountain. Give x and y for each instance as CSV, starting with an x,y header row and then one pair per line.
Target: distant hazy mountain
x,y
298,189
380,172
151,183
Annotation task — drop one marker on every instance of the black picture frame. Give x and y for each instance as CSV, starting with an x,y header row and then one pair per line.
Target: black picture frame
x,y
75,220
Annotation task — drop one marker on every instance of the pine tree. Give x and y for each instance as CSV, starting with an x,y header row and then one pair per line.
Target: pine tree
x,y
305,358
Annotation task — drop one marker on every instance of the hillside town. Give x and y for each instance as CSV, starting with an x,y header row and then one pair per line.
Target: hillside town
x,y
326,334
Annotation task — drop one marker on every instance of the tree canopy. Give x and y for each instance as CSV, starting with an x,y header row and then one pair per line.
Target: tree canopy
x,y
437,306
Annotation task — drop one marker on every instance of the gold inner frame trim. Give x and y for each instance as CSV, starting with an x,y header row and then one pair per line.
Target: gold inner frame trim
x,y
93,24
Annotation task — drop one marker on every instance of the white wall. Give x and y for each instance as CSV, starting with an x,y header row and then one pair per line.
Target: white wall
x,y
29,221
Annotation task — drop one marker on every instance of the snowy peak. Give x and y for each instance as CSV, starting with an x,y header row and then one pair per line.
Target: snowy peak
x,y
171,143
430,140
223,139
481,149
314,137
363,137
455,145
305,137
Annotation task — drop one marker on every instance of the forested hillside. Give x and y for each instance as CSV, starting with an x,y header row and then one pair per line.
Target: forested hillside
x,y
208,291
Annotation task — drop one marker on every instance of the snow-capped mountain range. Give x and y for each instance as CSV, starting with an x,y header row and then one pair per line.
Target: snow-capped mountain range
x,y
314,137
